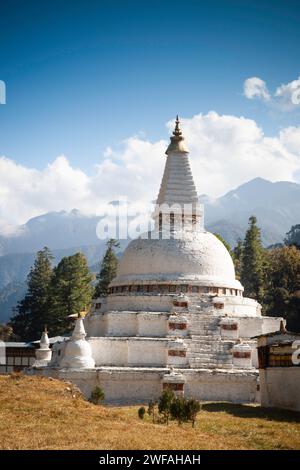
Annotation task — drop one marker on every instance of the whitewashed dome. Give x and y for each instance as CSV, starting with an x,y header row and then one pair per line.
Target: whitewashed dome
x,y
198,257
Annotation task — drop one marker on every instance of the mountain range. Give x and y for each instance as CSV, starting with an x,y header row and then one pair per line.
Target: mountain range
x,y
276,206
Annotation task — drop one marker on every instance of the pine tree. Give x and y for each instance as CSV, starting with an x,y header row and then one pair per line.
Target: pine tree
x,y
237,258
283,295
70,292
32,312
253,262
108,269
293,236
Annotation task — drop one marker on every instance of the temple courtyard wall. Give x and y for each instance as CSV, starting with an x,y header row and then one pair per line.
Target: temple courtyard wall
x,y
280,387
129,386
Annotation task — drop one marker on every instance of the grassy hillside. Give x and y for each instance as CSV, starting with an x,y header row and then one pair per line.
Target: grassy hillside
x,y
43,413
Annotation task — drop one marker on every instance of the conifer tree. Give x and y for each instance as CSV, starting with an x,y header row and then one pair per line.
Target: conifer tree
x,y
237,254
283,294
108,269
70,292
32,311
253,262
293,236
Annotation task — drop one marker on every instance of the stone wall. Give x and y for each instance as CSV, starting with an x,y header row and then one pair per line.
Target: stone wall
x,y
280,387
126,323
139,385
125,352
138,302
212,385
250,327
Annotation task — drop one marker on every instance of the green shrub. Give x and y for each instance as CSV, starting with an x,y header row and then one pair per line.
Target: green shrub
x,y
171,406
178,409
164,404
141,412
152,409
97,395
192,409
184,410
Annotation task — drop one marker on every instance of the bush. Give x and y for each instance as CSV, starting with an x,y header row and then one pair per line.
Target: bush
x,y
141,412
178,409
184,410
97,395
152,409
192,409
170,406
164,404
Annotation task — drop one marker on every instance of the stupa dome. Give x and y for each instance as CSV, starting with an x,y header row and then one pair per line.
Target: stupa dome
x,y
196,257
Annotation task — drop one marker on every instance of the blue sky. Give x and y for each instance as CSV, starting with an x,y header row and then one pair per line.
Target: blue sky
x,y
92,87
82,75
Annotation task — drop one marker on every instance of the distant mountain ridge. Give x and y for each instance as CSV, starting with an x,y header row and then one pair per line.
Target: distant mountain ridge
x,y
276,206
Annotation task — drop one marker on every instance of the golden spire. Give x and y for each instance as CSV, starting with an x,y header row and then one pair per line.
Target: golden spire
x,y
177,130
177,144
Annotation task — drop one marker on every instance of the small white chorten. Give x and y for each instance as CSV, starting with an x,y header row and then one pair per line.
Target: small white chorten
x,y
78,353
43,354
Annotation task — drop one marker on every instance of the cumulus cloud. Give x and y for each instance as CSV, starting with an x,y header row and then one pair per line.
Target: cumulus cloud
x,y
285,98
255,87
288,95
225,151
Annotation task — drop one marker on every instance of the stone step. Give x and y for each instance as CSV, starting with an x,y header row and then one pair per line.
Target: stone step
x,y
205,337
210,366
207,321
200,347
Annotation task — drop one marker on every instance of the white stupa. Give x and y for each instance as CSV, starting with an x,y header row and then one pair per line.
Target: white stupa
x,y
77,352
43,354
175,315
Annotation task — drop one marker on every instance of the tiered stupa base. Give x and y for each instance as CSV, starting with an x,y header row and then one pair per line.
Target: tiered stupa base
x,y
201,346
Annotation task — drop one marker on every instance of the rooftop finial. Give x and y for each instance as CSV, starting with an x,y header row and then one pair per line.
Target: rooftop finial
x,y
282,328
177,144
177,130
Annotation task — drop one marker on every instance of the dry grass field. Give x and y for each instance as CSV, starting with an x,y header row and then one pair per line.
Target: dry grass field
x,y
42,413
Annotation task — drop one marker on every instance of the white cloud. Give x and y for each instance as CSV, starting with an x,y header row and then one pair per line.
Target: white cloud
x,y
255,87
225,151
288,95
290,138
285,98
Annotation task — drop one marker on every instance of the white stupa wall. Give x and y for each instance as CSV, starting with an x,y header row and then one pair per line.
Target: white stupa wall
x,y
127,324
139,303
128,352
137,385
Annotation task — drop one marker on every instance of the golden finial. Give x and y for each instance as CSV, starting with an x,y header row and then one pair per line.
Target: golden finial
x,y
177,144
177,130
82,313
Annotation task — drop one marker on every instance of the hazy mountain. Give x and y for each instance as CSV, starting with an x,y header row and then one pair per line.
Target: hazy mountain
x,y
58,230
9,297
276,206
